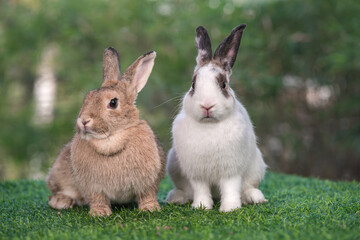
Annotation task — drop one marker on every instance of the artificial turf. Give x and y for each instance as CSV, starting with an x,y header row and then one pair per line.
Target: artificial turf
x,y
298,208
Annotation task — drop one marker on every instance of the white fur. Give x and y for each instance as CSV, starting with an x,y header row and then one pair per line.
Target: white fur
x,y
230,193
218,152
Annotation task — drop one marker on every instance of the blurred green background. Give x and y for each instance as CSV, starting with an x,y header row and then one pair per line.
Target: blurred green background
x,y
297,73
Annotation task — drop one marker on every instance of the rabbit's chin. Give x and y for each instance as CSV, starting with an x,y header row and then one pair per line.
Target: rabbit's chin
x,y
91,135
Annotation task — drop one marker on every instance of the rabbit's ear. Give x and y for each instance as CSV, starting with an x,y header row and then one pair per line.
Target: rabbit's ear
x,y
139,72
203,45
227,51
111,67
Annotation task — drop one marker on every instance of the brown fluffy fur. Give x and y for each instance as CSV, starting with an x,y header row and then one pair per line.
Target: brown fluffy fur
x,y
114,156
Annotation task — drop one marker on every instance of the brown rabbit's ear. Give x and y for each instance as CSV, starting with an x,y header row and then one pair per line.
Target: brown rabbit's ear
x,y
227,51
203,45
138,73
111,67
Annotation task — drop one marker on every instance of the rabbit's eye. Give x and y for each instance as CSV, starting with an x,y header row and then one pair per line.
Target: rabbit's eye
x,y
193,85
223,84
113,103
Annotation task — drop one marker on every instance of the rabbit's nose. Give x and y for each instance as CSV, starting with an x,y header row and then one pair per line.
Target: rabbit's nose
x,y
84,122
206,107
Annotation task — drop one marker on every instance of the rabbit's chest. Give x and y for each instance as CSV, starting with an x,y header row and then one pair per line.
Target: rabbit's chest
x,y
96,175
210,151
111,176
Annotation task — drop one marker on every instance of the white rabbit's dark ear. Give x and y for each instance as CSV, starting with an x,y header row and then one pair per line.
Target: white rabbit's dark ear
x,y
203,45
111,67
138,73
227,51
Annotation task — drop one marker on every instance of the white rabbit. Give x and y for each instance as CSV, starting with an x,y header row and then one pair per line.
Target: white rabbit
x,y
214,152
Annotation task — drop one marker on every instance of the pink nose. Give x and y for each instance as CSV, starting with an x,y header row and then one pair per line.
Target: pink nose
x,y
207,108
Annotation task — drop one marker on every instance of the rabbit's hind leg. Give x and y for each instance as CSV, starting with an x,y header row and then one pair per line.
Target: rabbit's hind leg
x,y
182,192
250,191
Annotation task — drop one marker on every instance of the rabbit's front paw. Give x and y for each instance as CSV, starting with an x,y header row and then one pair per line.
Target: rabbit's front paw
x,y
150,207
100,211
230,206
61,201
203,204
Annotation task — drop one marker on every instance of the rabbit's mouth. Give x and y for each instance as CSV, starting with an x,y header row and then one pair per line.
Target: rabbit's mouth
x,y
208,118
88,131
88,134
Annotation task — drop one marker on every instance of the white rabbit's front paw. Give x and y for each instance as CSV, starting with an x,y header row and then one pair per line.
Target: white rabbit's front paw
x,y
253,196
203,203
230,206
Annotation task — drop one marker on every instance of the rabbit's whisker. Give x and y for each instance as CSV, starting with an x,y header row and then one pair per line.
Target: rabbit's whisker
x,y
171,99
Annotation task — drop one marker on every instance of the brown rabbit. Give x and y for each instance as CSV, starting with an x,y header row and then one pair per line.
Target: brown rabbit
x,y
114,156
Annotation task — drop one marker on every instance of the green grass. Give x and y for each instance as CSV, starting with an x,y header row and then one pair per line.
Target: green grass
x,y
298,208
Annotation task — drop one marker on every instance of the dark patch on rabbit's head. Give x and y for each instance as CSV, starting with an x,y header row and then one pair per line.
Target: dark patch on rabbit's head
x,y
223,84
193,85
